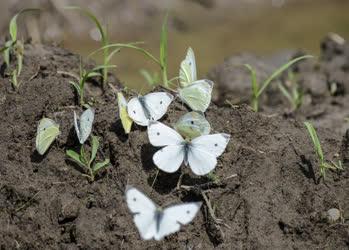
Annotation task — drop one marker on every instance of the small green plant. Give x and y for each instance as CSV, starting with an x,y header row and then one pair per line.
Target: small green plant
x,y
151,79
293,93
14,46
104,39
257,89
161,62
81,80
324,165
87,161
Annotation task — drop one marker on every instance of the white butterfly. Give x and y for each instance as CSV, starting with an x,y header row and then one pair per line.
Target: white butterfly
x,y
150,107
83,125
154,222
200,153
195,93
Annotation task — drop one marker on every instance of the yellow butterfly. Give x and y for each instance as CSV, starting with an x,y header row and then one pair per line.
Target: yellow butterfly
x,y
126,121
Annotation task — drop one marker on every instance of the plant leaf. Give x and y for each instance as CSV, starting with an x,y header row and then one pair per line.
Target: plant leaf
x,y
75,156
110,56
98,166
13,23
76,86
253,79
95,146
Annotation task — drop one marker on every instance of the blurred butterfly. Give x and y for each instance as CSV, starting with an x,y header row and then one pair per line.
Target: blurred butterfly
x,y
126,121
200,153
155,222
47,132
150,107
83,125
195,93
191,125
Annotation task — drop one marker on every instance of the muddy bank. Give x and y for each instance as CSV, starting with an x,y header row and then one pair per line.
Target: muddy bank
x,y
274,201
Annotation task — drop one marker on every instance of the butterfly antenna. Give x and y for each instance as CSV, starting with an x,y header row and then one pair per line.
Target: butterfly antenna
x,y
156,176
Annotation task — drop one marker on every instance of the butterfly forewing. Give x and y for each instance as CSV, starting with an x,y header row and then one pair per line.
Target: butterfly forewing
x,y
143,210
215,144
157,104
162,135
176,216
136,111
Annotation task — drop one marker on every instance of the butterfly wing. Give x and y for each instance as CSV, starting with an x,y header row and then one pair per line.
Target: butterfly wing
x,y
204,150
47,132
175,216
143,210
192,124
157,104
187,70
161,135
126,121
197,95
136,111
84,126
169,158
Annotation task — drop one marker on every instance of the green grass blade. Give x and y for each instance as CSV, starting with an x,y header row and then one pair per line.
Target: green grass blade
x,y
279,71
286,94
253,79
132,46
315,140
163,50
110,56
93,18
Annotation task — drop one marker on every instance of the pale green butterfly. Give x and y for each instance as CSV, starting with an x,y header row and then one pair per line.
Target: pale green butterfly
x,y
187,70
192,124
47,132
195,93
83,125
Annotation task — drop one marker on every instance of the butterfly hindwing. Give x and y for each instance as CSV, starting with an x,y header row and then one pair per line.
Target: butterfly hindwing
x,y
197,95
136,111
169,158
47,132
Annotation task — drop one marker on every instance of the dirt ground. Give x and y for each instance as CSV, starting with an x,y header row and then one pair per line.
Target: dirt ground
x,y
268,192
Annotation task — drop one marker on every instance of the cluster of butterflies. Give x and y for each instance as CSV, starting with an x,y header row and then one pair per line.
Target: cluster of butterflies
x,y
190,142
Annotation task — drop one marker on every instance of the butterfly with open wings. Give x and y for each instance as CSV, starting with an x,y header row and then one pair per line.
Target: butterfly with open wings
x,y
155,222
200,153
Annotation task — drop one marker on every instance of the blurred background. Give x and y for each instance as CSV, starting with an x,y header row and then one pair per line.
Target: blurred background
x,y
215,29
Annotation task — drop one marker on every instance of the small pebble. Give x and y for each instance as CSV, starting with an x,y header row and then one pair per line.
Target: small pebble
x,y
333,215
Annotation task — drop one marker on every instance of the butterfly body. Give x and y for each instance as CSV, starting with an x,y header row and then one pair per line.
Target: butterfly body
x,y
152,221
